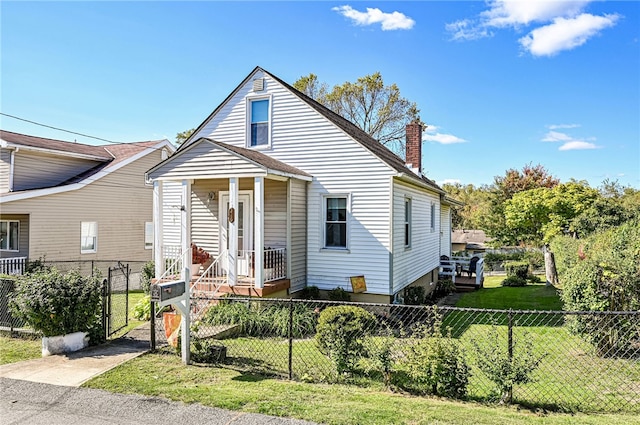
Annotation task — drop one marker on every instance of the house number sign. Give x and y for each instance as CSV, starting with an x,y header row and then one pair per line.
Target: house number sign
x,y
231,215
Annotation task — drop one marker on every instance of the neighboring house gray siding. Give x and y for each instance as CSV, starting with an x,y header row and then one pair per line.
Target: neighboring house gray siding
x,y
5,169
34,170
298,228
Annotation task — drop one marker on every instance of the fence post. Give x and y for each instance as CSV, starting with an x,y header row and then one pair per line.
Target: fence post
x,y
153,326
290,338
510,352
126,316
105,303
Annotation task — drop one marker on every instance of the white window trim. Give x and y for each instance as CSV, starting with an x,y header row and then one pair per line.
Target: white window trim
x,y
147,223
95,244
9,232
249,100
323,222
407,220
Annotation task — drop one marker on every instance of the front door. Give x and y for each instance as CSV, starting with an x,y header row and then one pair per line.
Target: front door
x,y
244,217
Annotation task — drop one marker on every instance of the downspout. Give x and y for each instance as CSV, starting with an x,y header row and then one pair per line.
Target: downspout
x,y
391,184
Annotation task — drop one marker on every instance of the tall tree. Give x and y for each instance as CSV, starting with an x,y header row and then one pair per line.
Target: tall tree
x,y
377,109
537,215
183,136
504,188
476,205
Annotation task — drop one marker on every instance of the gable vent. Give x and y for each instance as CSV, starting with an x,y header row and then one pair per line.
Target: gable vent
x,y
258,84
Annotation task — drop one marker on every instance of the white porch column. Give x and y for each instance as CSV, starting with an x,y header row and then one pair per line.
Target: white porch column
x,y
258,237
185,229
232,236
158,254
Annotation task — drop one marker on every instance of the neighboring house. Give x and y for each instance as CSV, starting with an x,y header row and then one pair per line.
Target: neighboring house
x,y
472,241
67,201
272,177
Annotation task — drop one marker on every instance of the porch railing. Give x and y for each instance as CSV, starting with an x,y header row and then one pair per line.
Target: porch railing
x,y
174,261
13,266
211,278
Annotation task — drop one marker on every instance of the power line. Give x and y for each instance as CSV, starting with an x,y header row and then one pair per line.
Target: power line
x,y
60,129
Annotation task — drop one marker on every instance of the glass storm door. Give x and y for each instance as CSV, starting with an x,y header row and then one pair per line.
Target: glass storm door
x,y
244,218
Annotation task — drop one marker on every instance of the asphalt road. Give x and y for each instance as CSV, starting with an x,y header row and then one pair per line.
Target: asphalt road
x,y
34,403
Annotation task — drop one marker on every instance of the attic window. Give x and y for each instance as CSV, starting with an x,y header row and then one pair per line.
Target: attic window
x,y
258,84
259,130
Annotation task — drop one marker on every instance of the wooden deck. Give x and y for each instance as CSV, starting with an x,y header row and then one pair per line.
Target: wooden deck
x,y
465,284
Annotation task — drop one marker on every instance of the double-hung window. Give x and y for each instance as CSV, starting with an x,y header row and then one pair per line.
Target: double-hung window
x,y
148,235
335,222
9,231
88,237
407,222
259,122
433,217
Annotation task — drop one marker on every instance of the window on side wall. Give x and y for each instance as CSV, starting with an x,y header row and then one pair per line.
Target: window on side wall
x,y
259,122
433,217
148,235
9,235
407,222
335,222
88,237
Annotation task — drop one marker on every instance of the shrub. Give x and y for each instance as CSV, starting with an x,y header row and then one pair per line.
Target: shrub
x,y
492,357
443,288
340,334
310,293
379,356
339,294
606,279
34,266
55,304
414,295
147,273
535,258
433,364
514,281
517,268
142,309
534,278
208,351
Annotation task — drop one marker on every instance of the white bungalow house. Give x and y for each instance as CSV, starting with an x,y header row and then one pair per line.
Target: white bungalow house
x,y
283,193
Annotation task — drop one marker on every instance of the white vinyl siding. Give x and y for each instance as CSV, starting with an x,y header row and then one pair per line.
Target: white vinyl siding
x,y
171,204
88,237
445,230
298,229
424,255
33,170
304,139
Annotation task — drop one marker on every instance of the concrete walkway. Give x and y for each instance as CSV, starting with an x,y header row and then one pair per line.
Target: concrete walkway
x,y
73,369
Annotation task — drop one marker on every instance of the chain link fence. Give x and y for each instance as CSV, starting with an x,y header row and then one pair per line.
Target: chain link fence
x,y
90,267
567,361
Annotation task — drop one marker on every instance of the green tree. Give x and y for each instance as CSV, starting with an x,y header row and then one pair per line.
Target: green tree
x,y
476,205
183,136
376,108
538,215
503,189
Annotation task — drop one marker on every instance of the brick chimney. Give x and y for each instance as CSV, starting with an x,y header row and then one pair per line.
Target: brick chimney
x,y
414,147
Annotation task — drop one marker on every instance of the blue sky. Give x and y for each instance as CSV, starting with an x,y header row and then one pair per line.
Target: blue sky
x,y
501,84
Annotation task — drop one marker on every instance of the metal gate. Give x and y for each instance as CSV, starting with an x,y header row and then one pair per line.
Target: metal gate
x,y
116,299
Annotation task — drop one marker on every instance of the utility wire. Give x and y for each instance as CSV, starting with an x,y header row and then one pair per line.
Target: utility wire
x,y
60,129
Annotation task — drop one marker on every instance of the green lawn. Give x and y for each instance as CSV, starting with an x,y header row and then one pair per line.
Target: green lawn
x,y
17,349
531,297
165,376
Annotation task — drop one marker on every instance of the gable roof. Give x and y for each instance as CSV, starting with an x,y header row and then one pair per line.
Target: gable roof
x,y
355,132
109,158
472,238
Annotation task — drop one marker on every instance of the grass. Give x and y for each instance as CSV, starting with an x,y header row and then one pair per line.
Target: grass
x,y
165,376
17,349
531,297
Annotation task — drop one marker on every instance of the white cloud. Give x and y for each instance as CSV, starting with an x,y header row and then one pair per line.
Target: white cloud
x,y
569,143
432,134
389,21
567,26
559,126
577,145
556,136
565,34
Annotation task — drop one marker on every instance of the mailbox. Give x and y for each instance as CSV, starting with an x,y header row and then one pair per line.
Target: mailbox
x,y
167,290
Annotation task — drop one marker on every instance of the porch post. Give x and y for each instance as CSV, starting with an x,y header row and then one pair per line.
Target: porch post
x,y
158,254
258,238
185,228
232,220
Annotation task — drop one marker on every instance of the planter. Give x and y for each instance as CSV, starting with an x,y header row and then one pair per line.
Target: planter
x,y
195,269
64,343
